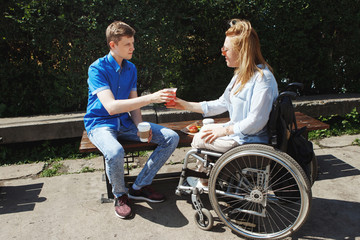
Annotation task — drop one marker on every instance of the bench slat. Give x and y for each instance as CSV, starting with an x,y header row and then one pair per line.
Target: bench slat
x,y
312,124
86,145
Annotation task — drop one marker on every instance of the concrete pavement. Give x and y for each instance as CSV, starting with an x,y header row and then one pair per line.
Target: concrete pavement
x,y
69,206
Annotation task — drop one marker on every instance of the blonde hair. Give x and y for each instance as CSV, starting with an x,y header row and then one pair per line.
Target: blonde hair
x,y
116,30
246,42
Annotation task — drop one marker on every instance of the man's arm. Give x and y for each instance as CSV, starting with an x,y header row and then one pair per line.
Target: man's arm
x,y
136,113
113,106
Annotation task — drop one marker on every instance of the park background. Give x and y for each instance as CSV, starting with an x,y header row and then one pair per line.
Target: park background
x,y
47,47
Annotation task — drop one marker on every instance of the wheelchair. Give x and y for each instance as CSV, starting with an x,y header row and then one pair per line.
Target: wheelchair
x,y
256,190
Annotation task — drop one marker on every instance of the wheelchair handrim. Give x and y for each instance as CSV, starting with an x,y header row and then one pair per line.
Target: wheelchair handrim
x,y
296,175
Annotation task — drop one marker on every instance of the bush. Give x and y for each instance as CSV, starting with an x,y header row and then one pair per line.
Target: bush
x,y
42,151
339,125
47,46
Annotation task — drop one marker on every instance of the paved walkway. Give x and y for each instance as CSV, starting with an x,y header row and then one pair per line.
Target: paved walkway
x,y
69,207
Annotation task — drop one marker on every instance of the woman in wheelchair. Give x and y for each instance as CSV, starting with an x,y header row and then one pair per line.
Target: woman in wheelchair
x,y
248,97
256,190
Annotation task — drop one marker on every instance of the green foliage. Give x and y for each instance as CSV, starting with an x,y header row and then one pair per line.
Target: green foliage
x,y
356,142
87,169
47,47
130,167
52,169
339,125
42,151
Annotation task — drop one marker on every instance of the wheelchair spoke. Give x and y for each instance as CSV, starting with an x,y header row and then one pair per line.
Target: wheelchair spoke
x,y
286,211
230,185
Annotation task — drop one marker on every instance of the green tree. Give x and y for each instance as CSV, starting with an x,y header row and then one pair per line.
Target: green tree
x,y
47,47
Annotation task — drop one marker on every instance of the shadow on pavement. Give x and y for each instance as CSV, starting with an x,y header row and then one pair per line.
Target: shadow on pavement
x,y
15,199
331,167
328,218
331,219
167,213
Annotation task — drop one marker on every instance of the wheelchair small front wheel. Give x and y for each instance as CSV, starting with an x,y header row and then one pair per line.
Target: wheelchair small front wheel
x,y
207,222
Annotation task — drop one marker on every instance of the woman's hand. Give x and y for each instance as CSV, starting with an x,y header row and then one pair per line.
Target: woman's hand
x,y
179,104
211,133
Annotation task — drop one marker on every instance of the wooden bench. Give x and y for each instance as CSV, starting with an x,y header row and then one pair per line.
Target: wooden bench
x,y
131,147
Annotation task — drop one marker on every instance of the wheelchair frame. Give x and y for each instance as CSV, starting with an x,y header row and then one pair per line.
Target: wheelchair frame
x,y
256,190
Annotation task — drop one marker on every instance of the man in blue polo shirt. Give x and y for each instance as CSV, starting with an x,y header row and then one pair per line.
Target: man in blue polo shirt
x,y
113,111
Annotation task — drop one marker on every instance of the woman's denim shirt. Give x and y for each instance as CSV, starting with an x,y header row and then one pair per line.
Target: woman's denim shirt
x,y
249,109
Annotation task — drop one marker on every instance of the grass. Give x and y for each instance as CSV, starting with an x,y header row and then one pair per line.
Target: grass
x,y
87,169
42,151
52,169
339,125
56,168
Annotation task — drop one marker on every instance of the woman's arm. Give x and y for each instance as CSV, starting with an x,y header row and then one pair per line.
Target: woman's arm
x,y
185,105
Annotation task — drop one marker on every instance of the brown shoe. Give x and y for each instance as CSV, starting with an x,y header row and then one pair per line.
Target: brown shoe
x,y
122,208
146,193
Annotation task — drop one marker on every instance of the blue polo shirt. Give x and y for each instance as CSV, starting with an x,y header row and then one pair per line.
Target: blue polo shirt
x,y
105,73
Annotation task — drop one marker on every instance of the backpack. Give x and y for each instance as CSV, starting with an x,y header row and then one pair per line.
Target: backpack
x,y
285,136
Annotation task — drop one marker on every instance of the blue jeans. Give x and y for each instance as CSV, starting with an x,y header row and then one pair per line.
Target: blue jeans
x,y
105,139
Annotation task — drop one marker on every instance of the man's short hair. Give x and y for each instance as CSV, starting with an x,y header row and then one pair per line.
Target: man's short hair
x,y
116,30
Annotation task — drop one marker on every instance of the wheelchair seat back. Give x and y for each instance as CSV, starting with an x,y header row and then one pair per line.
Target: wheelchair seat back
x,y
282,117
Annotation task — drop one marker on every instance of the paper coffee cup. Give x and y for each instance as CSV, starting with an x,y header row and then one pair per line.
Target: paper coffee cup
x,y
207,121
144,131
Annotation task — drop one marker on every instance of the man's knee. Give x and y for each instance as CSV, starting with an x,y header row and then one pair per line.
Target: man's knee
x,y
175,137
169,136
115,154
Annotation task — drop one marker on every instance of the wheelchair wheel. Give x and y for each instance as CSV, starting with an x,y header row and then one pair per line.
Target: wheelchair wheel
x,y
260,192
207,222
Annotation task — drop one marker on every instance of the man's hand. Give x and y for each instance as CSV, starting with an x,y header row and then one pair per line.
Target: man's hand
x,y
150,135
164,95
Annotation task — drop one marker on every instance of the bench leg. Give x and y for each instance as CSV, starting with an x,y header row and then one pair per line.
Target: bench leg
x,y
110,195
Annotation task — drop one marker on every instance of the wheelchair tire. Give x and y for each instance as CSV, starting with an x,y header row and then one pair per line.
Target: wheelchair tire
x,y
249,191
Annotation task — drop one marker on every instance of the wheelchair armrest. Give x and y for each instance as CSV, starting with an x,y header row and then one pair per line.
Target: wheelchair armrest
x,y
294,86
290,94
